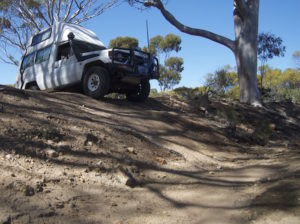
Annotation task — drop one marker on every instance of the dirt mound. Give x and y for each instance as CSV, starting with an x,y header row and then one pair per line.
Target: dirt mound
x,y
67,158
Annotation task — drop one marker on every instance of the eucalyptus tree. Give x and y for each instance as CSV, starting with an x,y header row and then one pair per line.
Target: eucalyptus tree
x,y
170,67
244,46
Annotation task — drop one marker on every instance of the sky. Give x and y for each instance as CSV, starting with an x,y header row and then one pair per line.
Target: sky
x,y
201,56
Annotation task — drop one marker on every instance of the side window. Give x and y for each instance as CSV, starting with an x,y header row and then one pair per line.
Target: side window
x,y
64,52
27,61
41,37
43,54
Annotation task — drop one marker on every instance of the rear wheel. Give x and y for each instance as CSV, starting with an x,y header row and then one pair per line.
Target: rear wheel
x,y
141,94
96,82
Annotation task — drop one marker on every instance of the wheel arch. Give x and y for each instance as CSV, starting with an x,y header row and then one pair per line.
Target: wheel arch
x,y
30,84
92,64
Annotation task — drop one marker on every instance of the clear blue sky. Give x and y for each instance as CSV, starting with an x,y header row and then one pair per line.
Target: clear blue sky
x,y
201,56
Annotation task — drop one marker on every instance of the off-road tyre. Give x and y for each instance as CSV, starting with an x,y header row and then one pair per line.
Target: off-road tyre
x,y
96,82
141,94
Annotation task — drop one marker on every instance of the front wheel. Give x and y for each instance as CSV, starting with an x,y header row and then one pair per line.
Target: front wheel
x,y
96,82
141,94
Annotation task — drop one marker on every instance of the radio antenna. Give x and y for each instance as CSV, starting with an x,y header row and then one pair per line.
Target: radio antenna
x,y
148,35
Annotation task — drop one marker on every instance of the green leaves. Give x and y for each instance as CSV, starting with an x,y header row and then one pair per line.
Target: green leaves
x,y
155,45
168,78
174,64
269,46
167,44
222,81
124,42
171,43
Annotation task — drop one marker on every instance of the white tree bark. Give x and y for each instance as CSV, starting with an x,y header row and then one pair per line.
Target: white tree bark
x,y
246,31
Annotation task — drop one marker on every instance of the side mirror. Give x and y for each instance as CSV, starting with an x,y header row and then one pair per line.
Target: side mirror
x,y
71,36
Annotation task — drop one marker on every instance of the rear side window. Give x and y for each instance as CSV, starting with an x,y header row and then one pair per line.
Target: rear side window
x,y
27,61
43,54
41,37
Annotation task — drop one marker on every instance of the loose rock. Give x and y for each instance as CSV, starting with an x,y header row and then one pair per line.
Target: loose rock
x,y
60,205
131,150
51,153
29,191
8,157
126,178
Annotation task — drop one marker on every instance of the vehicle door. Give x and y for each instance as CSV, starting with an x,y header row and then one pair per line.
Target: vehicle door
x,y
65,69
27,68
43,68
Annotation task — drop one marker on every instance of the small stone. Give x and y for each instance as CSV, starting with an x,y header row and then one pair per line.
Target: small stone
x,y
114,205
8,157
50,142
51,153
161,160
13,175
39,187
100,163
60,205
131,182
29,191
127,178
219,167
131,150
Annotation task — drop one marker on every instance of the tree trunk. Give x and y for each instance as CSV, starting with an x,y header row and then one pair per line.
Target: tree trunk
x,y
246,30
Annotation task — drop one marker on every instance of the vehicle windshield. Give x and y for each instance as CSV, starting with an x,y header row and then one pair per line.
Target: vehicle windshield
x,y
84,47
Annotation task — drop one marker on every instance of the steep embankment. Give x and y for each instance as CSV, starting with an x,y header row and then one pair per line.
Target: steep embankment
x,y
67,158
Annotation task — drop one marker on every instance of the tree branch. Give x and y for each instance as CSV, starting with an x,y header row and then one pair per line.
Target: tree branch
x,y
96,12
75,14
192,31
58,10
11,60
69,10
43,17
26,15
52,11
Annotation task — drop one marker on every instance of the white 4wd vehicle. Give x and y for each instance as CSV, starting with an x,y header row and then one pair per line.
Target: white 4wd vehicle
x,y
67,54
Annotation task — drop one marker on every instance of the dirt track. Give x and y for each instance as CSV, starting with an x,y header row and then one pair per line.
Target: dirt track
x,y
67,158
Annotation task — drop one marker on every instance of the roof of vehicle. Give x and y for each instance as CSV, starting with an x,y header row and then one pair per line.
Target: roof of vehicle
x,y
59,33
